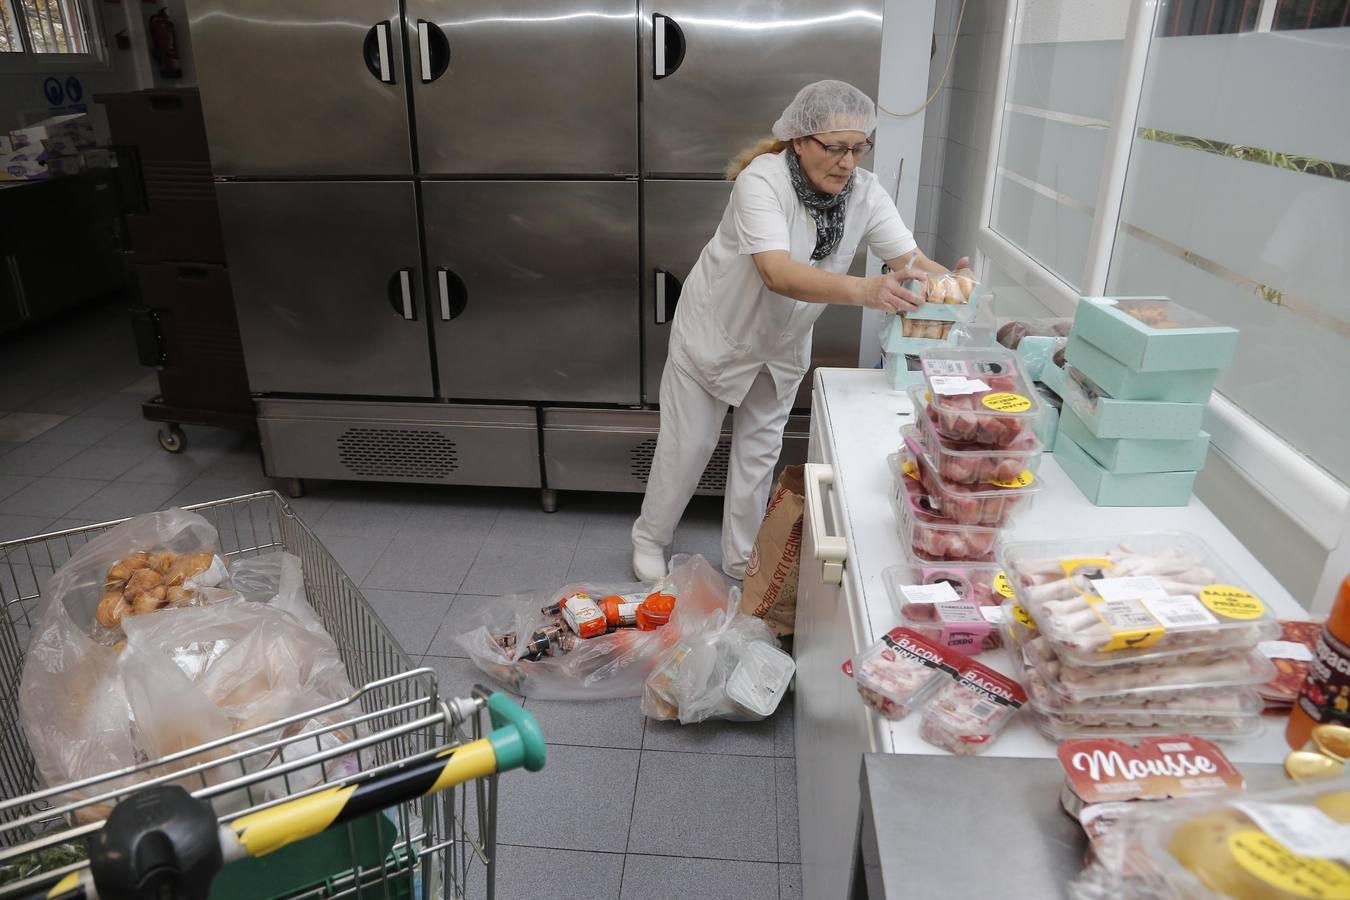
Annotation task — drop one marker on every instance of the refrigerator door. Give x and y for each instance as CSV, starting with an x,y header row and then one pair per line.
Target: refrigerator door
x,y
328,286
308,89
524,87
717,73
534,288
679,218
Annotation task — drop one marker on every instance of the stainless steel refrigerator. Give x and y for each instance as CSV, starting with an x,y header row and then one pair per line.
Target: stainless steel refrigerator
x,y
458,231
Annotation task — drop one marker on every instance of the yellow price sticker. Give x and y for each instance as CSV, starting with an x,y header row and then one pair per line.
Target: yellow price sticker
x,y
1026,479
911,468
1022,617
1232,602
1002,401
1132,625
1271,862
1002,586
1098,563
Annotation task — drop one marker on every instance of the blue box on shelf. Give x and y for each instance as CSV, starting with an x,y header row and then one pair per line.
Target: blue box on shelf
x,y
1105,488
1154,334
1123,383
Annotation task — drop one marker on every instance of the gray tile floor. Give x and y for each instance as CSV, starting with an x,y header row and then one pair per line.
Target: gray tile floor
x,y
626,808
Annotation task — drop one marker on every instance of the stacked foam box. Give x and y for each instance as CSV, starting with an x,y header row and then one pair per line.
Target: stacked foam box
x,y
905,336
1139,374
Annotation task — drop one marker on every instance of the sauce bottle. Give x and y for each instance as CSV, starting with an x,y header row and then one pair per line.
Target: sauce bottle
x,y
1325,697
655,611
619,612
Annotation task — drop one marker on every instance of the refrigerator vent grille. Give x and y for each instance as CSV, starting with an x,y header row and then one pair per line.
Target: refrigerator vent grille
x,y
714,477
397,453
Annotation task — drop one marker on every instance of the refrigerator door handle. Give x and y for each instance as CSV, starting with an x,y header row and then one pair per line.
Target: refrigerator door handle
x,y
454,296
401,294
668,46
378,52
667,295
434,50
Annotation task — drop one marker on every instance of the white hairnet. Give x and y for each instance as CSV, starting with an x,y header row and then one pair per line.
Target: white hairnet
x,y
826,106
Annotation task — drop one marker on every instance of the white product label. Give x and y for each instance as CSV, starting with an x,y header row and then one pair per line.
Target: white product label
x,y
945,367
993,614
955,385
939,592
1285,650
1125,615
1131,588
1306,830
1184,611
958,613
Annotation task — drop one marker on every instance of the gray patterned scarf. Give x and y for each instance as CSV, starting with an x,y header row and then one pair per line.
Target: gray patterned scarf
x,y
827,209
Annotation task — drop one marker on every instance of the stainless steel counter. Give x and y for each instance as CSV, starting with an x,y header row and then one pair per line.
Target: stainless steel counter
x,y
949,826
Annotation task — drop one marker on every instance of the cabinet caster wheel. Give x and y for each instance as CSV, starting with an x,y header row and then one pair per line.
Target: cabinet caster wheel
x,y
295,488
172,439
548,499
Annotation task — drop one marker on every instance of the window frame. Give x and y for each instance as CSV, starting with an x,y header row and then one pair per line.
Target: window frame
x,y
1315,499
28,62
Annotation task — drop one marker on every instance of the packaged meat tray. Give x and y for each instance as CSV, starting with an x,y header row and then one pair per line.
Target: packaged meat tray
x,y
1076,684
1224,701
1134,599
965,463
1277,845
1290,653
956,624
980,394
1218,728
965,504
977,582
968,714
897,673
931,537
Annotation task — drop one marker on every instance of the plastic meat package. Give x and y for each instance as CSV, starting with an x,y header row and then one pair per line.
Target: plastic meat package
x,y
94,698
1288,844
897,673
965,463
980,394
933,538
936,609
1136,598
964,504
969,713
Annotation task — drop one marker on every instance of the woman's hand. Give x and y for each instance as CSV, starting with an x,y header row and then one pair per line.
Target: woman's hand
x,y
885,293
962,267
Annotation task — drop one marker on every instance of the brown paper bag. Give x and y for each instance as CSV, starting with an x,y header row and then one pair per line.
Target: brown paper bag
x,y
771,574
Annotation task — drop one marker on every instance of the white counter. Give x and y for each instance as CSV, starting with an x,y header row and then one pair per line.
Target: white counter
x,y
856,419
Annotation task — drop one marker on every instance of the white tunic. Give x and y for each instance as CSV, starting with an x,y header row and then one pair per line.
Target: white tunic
x,y
728,325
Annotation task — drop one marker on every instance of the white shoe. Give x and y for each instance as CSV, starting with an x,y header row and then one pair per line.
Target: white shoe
x,y
649,562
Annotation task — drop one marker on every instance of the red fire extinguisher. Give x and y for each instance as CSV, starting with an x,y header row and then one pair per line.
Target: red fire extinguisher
x,y
164,44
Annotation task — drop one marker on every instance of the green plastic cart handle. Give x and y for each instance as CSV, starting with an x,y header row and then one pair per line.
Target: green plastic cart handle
x,y
515,737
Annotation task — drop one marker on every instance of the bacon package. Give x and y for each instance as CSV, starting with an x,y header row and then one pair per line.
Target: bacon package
x,y
979,395
965,463
966,504
1138,598
898,672
969,713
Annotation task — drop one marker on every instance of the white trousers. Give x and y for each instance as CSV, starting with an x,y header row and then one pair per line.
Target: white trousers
x,y
691,424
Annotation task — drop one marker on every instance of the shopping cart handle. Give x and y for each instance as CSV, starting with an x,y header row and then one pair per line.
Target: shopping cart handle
x,y
515,737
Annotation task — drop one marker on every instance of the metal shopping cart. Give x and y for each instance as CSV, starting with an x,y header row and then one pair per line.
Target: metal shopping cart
x,y
401,805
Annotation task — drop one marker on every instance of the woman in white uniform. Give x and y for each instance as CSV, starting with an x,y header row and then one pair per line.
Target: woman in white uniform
x,y
741,337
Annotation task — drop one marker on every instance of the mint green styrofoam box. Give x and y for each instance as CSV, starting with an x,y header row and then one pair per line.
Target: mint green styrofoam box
x,y
1107,417
1123,383
1047,426
896,348
1127,456
1052,376
1105,488
1154,334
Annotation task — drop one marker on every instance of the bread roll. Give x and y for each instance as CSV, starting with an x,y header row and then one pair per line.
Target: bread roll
x,y
162,560
110,609
143,580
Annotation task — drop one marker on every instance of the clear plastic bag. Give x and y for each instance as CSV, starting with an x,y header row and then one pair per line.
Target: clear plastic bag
x,y
726,665
611,665
177,676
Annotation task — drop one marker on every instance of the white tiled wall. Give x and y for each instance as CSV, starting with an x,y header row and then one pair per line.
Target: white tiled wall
x,y
956,140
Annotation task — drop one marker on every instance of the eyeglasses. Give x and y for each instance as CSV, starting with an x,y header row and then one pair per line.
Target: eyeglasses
x,y
837,152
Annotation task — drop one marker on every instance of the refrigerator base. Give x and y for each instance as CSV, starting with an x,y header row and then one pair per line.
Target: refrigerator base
x,y
603,450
